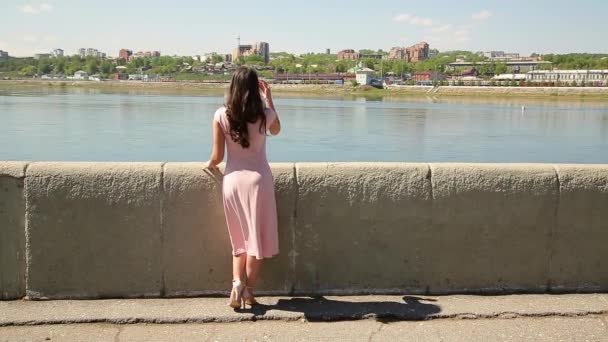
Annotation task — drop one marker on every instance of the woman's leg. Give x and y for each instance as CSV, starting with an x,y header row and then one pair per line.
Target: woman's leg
x,y
238,283
238,266
253,270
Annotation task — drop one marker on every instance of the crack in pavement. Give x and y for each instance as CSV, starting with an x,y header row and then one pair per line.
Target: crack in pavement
x,y
512,315
116,337
375,332
326,318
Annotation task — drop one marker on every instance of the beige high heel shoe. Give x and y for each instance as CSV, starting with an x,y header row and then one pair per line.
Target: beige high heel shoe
x,y
248,297
236,294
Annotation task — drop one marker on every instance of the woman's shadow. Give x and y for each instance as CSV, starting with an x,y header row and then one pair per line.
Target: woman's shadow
x,y
322,309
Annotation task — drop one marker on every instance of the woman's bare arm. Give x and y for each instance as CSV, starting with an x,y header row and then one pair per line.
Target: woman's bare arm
x,y
219,145
275,126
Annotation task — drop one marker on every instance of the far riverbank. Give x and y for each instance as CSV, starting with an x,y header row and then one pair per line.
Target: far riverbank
x,y
331,90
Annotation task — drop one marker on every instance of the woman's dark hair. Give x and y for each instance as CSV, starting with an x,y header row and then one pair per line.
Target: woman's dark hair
x,y
244,105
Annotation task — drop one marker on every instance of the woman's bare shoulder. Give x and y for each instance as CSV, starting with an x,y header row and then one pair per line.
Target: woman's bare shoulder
x,y
219,113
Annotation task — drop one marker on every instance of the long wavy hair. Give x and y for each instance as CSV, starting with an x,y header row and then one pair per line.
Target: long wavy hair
x,y
244,105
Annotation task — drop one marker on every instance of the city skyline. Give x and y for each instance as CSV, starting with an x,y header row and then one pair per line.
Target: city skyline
x,y
193,28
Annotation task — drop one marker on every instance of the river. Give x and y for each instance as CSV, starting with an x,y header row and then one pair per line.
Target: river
x,y
67,124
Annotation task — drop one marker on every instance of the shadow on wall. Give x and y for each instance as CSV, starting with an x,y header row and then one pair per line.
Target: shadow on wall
x,y
322,309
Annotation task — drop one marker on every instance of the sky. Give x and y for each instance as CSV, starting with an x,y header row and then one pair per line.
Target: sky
x,y
188,27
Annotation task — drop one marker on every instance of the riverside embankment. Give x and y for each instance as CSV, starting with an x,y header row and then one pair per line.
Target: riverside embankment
x,y
101,230
330,90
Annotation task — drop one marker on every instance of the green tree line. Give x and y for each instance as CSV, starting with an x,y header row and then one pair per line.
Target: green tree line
x,y
60,65
164,65
282,62
323,63
578,61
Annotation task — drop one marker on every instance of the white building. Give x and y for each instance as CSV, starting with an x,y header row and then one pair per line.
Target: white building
x,y
510,77
91,52
470,79
143,77
502,56
81,75
53,77
493,54
58,53
568,76
365,76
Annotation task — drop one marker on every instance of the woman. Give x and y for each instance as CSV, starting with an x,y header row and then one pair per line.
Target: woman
x,y
248,185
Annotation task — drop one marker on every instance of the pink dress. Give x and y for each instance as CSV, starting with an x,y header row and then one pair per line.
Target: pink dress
x,y
248,192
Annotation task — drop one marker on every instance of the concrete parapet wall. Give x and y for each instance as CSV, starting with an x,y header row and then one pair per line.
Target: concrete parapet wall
x,y
496,218
93,230
12,230
100,230
580,240
195,239
362,227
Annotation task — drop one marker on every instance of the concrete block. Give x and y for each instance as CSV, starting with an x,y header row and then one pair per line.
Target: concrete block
x,y
12,230
491,226
362,227
196,251
580,241
93,230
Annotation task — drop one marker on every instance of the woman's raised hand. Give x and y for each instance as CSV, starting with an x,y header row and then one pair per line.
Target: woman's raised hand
x,y
266,93
265,90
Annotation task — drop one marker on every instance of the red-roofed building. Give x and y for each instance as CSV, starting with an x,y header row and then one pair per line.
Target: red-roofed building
x,y
348,54
125,54
428,76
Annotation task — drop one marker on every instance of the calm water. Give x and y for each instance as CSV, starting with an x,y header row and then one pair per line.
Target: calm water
x,y
93,125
